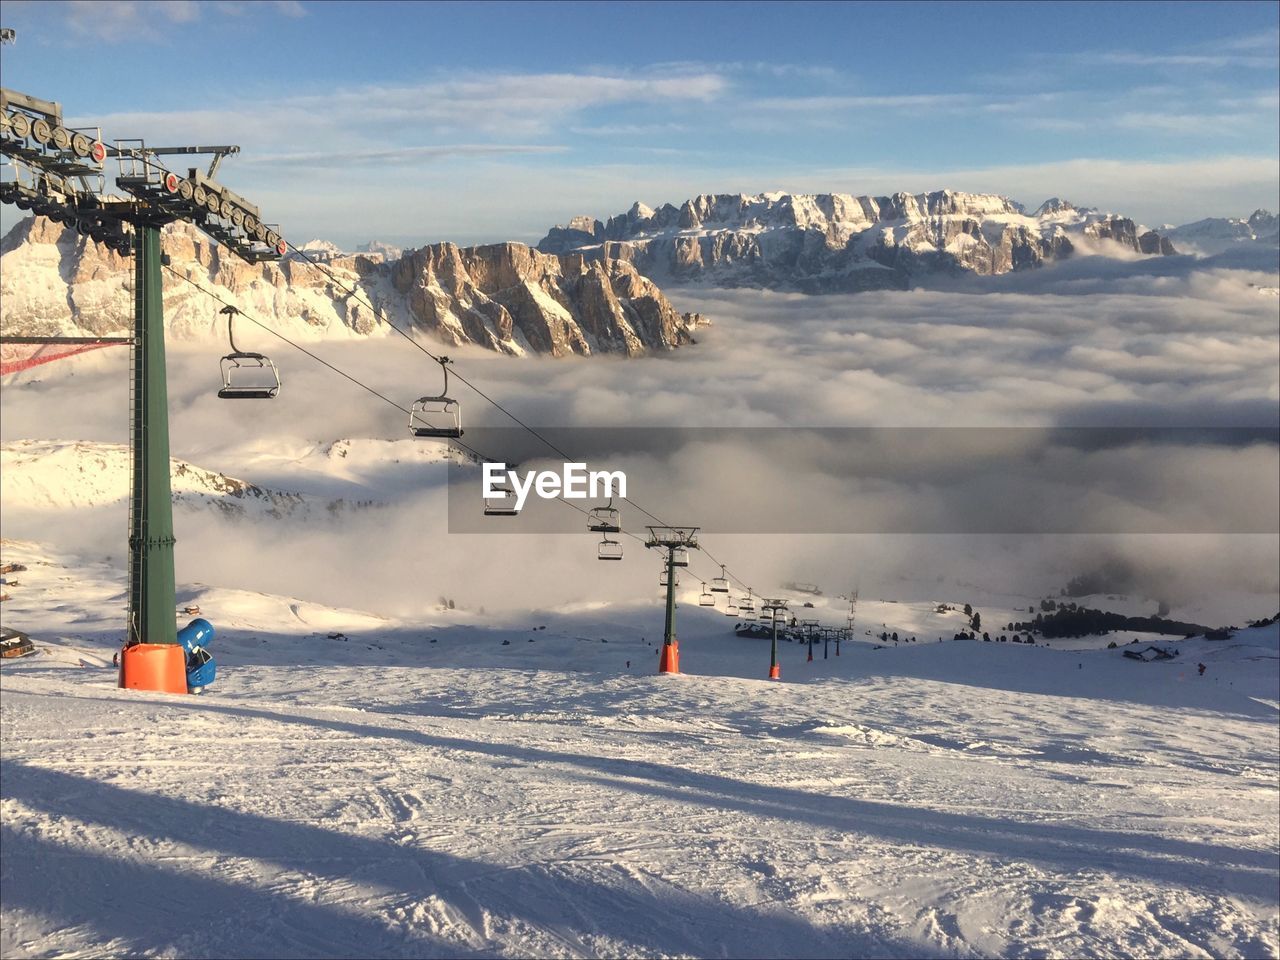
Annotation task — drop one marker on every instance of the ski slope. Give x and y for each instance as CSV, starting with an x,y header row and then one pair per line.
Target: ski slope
x,y
360,786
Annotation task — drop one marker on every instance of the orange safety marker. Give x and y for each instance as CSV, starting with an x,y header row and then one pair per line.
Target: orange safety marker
x,y
154,666
669,660
775,672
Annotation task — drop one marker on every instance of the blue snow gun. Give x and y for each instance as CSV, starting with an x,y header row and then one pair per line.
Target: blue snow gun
x,y
201,668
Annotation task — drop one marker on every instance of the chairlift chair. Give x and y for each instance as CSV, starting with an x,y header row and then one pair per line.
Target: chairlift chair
x,y
662,578
502,503
438,417
609,550
245,375
604,519
747,605
720,584
706,598
732,609
679,557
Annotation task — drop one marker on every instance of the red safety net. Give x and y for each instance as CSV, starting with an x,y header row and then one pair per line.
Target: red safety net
x,y
15,357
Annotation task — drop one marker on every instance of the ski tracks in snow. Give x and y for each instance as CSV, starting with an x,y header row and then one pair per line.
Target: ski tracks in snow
x,y
412,812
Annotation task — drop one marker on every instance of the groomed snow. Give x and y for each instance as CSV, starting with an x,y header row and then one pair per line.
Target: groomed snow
x,y
357,786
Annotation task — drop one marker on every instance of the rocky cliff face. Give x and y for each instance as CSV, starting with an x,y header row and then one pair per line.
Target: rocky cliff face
x,y
505,297
836,242
510,297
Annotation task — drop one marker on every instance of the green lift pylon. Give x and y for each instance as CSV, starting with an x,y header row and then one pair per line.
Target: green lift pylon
x,y
669,658
152,598
152,658
60,173
673,540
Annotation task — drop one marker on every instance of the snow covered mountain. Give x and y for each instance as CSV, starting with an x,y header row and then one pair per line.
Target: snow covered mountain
x,y
54,475
505,297
1216,234
822,243
387,251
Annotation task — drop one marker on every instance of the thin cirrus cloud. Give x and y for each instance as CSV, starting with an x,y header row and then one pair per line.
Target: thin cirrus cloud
x,y
499,105
401,155
121,21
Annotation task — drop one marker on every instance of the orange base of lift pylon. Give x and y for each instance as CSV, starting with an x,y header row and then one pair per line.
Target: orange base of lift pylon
x,y
154,666
775,672
669,659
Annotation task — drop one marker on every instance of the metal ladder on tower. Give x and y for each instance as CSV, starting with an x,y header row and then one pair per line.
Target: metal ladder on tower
x,y
134,591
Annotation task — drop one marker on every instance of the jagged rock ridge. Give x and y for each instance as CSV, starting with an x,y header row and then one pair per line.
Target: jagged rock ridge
x,y
1216,234
823,243
505,297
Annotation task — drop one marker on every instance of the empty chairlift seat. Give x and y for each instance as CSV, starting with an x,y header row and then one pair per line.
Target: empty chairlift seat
x,y
502,502
246,375
604,519
720,584
437,417
609,550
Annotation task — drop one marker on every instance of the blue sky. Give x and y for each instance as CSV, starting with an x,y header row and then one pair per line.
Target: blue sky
x,y
420,122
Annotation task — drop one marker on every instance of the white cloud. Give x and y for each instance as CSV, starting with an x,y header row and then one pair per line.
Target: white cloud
x,y
123,21
1090,342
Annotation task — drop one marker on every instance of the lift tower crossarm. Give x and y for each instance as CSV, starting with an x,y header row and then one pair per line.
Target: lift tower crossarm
x,y
218,154
12,98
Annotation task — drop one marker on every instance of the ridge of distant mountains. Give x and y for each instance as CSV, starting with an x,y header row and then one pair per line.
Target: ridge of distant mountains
x,y
506,297
832,242
591,286
1217,234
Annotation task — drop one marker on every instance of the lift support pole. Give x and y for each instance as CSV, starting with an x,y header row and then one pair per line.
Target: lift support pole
x,y
670,657
151,578
60,173
671,539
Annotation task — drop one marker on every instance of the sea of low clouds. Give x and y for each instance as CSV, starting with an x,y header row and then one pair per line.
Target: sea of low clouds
x,y
1094,342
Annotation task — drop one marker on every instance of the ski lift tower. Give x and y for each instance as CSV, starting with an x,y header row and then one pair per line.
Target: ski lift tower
x,y
675,541
774,606
809,627
58,172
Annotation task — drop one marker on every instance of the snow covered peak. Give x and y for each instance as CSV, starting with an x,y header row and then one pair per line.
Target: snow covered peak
x,y
1216,234
1054,205
322,248
1262,220
388,251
